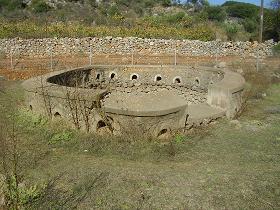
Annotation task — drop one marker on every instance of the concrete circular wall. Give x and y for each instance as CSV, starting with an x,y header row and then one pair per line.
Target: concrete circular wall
x,y
152,99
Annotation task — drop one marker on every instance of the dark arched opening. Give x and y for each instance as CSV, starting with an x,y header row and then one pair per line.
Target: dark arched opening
x,y
57,114
134,77
163,131
158,78
100,124
197,82
113,75
98,76
177,80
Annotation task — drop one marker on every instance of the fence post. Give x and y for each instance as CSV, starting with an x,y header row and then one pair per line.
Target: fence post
x,y
51,59
90,55
258,61
12,65
216,57
175,55
132,57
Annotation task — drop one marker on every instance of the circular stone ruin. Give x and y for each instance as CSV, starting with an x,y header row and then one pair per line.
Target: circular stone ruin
x,y
153,100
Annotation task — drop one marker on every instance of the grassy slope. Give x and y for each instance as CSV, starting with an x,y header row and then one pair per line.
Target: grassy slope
x,y
227,166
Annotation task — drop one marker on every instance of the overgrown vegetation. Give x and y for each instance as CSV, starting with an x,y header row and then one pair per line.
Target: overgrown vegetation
x,y
26,29
150,18
276,50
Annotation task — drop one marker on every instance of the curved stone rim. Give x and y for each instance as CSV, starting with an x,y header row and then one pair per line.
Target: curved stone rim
x,y
220,94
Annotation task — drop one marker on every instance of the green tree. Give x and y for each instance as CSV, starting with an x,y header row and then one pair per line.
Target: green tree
x,y
11,5
250,25
272,22
216,13
166,3
113,10
40,6
241,10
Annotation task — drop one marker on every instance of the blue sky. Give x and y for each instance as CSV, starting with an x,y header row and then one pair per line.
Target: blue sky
x,y
257,2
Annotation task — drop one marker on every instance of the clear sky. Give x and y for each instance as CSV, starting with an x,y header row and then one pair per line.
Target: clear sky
x,y
257,2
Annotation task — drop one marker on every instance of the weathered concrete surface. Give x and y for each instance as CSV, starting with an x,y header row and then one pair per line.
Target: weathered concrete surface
x,y
227,93
112,98
199,113
144,104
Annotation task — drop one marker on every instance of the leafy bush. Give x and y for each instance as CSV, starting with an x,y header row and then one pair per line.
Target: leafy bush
x,y
25,117
250,25
272,25
179,138
166,3
11,5
39,6
61,137
216,13
19,195
165,20
231,29
276,49
113,10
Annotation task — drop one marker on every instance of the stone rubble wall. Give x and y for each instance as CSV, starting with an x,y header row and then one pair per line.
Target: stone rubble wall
x,y
124,46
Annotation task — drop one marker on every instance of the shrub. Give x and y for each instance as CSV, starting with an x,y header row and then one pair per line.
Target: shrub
x,y
165,19
216,13
40,6
276,49
175,18
27,29
272,25
11,5
113,10
61,137
18,195
200,16
231,29
166,3
250,25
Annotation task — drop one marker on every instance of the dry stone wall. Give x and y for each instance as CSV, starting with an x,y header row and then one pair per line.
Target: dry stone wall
x,y
123,46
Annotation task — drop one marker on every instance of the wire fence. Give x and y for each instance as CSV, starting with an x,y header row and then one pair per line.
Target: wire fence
x,y
53,61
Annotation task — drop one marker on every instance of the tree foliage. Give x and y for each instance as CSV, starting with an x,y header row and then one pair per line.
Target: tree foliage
x,y
216,13
241,10
158,14
39,6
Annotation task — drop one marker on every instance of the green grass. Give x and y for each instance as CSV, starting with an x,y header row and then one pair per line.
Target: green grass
x,y
224,166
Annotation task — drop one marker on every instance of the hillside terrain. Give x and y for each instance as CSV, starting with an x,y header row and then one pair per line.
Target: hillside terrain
x,y
233,21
